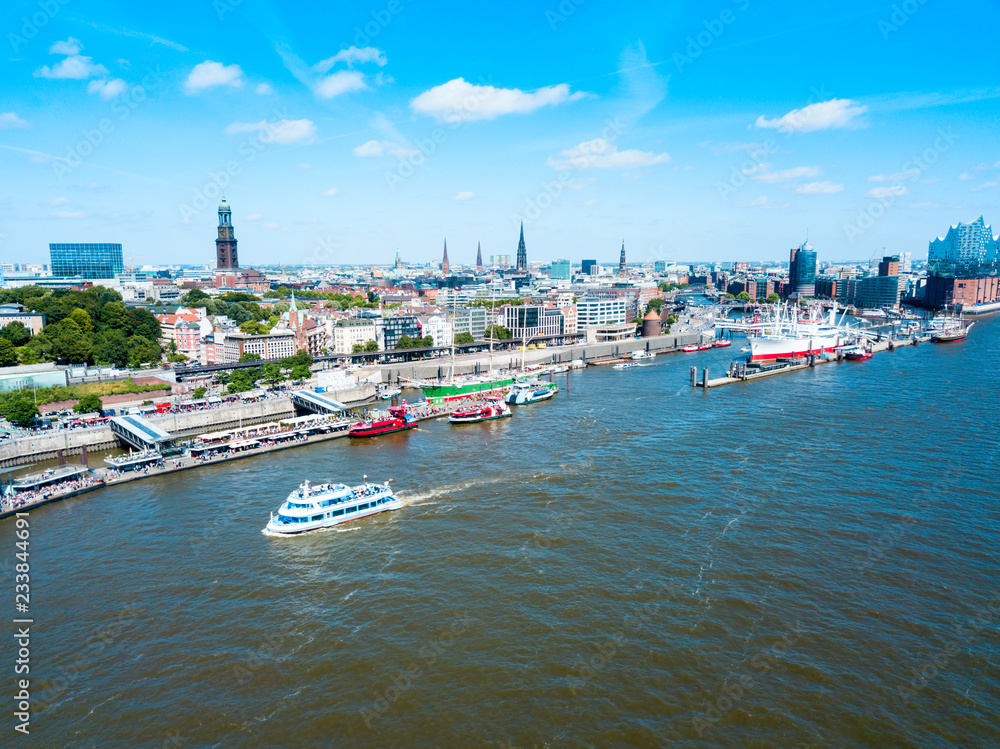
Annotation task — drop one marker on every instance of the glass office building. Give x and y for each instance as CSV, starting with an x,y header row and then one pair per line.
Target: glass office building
x,y
86,260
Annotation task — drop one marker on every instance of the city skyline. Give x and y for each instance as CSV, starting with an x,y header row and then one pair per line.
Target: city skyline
x,y
673,132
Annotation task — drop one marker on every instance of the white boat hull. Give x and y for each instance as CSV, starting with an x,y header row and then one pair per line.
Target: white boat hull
x,y
789,347
352,508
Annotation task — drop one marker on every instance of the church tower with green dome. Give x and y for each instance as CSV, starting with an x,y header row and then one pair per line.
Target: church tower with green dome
x,y
225,244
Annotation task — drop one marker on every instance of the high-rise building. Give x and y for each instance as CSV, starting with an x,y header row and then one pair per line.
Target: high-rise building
x,y
802,271
889,266
522,253
659,266
445,266
86,260
622,269
906,262
399,260
225,243
500,261
561,269
968,249
588,267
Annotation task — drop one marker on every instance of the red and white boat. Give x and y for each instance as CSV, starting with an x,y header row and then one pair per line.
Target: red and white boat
x,y
690,347
722,343
787,337
858,355
399,420
705,346
492,409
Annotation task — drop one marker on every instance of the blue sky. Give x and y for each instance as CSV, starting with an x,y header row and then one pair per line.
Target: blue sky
x,y
695,131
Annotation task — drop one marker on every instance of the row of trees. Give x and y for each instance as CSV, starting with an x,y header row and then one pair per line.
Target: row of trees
x,y
744,296
405,342
273,373
82,327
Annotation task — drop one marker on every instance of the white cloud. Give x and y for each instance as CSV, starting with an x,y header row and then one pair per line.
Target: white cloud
x,y
461,101
771,178
343,82
836,113
271,226
986,186
579,184
280,131
107,89
70,214
382,147
255,217
56,201
599,154
75,67
207,74
350,56
466,195
329,193
264,89
819,188
10,119
885,192
763,202
70,47
965,176
897,177
592,201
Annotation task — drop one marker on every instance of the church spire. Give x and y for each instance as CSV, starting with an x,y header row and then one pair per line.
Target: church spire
x,y
522,253
479,257
622,270
444,261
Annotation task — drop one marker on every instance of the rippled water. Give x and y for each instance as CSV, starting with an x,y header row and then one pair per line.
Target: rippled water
x,y
790,562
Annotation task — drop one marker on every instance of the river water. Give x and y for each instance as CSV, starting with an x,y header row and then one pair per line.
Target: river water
x,y
804,561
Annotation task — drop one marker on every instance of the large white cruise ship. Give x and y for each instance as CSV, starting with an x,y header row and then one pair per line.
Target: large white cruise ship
x,y
310,508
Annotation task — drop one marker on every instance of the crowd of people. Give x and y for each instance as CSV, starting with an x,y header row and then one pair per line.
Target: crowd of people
x,y
25,498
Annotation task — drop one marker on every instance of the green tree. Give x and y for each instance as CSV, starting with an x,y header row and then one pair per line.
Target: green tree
x,y
300,372
743,296
111,347
357,348
273,374
404,342
8,354
498,333
27,355
113,315
88,404
82,319
199,393
194,298
20,409
252,327
773,298
142,350
464,337
249,357
427,341
729,296
655,304
371,346
16,332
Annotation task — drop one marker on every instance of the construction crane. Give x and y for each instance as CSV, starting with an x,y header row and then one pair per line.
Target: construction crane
x,y
132,259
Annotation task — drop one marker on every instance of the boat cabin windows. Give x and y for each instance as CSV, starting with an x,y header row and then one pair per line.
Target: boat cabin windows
x,y
295,506
317,517
335,513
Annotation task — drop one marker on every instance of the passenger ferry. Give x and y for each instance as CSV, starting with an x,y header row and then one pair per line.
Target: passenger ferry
x,y
521,393
494,408
399,420
624,365
310,508
643,354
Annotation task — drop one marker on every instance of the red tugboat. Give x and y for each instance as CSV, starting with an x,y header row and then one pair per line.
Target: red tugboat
x,y
399,420
858,354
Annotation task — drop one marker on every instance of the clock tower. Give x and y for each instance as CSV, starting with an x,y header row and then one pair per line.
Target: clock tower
x,y
225,244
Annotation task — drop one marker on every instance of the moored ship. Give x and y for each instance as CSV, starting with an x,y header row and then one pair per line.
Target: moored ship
x,y
494,408
462,387
398,420
311,508
521,393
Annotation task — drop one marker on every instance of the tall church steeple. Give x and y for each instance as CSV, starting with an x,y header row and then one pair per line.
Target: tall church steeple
x,y
522,253
622,270
225,243
479,257
444,261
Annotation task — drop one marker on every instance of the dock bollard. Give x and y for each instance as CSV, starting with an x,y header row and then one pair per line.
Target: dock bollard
x,y
694,376
704,378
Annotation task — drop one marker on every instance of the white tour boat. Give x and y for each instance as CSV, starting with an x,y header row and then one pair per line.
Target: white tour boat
x,y
310,508
643,354
522,392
